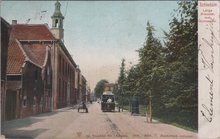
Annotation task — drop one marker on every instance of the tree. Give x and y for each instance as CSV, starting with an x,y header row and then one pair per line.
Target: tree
x,y
132,81
169,73
151,59
151,68
181,55
100,87
122,75
119,89
121,80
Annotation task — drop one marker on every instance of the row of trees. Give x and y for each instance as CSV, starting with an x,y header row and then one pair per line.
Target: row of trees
x,y
167,72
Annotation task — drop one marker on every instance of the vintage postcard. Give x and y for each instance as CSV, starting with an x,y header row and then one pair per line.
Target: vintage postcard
x,y
110,69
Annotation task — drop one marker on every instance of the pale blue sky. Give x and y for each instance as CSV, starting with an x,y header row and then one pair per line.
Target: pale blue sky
x,y
98,34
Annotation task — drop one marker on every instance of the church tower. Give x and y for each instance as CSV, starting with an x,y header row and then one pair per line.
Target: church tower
x,y
57,22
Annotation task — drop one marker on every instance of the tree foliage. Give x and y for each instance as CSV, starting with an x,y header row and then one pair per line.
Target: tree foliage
x,y
100,87
169,73
119,88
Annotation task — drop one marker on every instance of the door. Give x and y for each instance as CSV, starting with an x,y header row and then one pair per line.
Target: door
x,y
10,106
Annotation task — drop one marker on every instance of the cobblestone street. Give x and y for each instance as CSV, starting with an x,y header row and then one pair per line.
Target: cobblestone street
x,y
67,123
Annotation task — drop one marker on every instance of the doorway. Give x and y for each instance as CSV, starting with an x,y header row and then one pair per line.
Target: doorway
x,y
10,107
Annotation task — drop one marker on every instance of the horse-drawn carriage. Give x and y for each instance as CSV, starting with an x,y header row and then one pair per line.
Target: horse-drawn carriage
x,y
82,106
108,101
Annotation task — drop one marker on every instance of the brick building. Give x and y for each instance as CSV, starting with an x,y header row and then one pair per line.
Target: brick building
x,y
42,76
5,34
29,71
63,65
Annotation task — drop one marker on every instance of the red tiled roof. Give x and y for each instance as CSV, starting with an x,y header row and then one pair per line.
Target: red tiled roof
x,y
36,52
15,58
33,51
31,32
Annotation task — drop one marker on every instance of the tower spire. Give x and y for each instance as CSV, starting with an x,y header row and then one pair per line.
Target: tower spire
x,y
57,22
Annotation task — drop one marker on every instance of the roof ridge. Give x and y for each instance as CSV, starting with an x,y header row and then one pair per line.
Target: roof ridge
x,y
29,28
29,24
50,32
22,50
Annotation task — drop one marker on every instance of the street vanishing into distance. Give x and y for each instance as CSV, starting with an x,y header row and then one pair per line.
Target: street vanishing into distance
x,y
68,123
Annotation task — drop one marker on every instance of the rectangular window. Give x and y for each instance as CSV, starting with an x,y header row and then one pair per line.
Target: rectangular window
x,y
60,66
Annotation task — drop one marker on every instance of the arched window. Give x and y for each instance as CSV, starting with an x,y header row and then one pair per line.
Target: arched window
x,y
56,23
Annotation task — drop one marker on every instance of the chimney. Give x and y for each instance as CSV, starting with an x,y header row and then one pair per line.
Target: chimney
x,y
14,22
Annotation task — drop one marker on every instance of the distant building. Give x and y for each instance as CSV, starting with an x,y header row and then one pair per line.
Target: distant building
x,y
109,86
5,34
77,85
83,88
88,93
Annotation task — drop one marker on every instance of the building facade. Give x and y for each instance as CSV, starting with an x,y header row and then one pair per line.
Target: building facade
x,y
83,88
5,34
88,94
29,71
41,74
63,65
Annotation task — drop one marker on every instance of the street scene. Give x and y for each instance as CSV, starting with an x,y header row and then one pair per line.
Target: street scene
x,y
67,123
99,69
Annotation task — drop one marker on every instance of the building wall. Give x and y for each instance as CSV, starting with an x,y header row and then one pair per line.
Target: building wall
x,y
31,100
5,33
77,85
83,89
30,92
64,78
88,94
47,85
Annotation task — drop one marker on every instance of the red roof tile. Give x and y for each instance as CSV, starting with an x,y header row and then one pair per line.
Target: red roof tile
x,y
31,32
36,52
32,52
15,58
